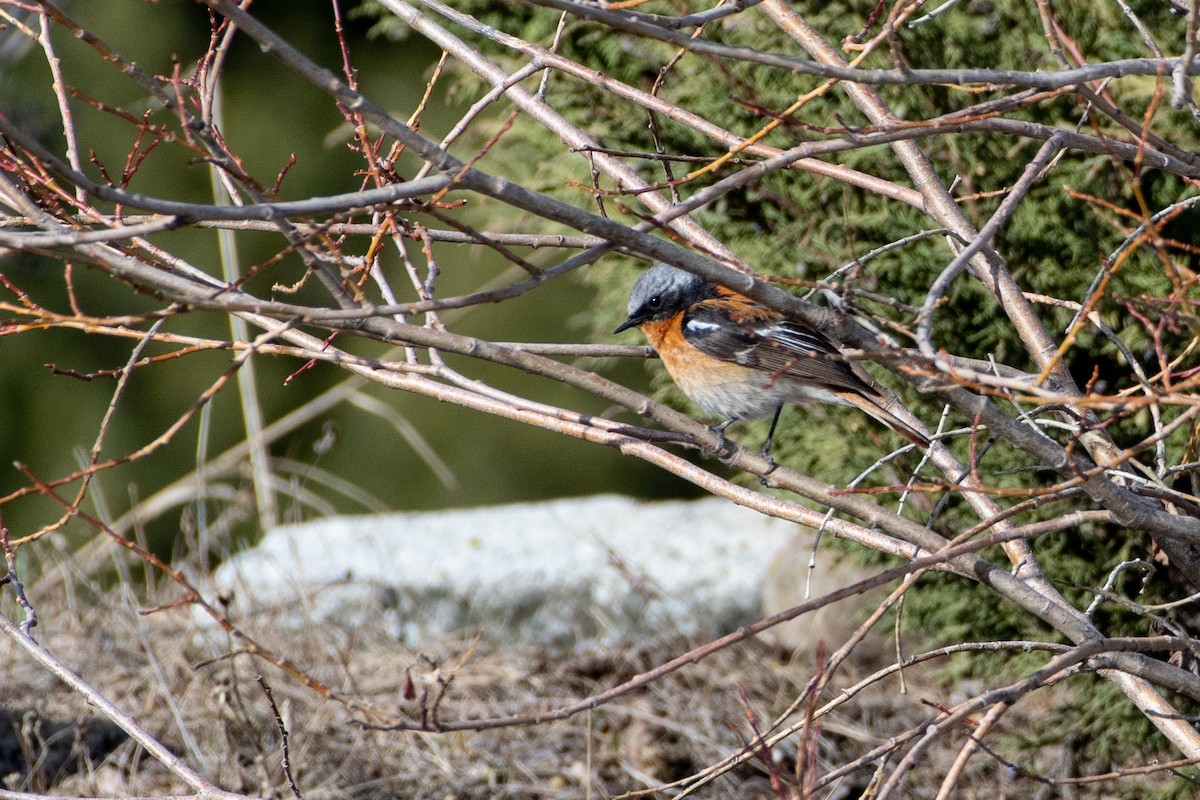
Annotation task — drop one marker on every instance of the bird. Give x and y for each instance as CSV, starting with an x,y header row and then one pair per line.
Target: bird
x,y
739,359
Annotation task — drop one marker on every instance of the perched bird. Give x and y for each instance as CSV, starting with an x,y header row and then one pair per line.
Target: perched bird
x,y
742,360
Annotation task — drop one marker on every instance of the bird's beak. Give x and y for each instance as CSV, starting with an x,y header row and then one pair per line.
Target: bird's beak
x,y
626,325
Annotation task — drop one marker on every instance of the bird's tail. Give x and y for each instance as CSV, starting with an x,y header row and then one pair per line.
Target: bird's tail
x,y
876,409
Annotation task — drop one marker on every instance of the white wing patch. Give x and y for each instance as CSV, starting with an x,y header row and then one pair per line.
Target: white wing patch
x,y
794,338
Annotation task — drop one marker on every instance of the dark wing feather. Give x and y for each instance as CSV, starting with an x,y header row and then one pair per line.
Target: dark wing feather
x,y
726,331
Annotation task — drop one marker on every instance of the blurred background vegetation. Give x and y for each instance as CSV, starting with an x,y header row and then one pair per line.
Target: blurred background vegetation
x,y
790,224
48,421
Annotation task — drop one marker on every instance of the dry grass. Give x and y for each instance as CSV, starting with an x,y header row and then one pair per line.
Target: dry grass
x,y
218,718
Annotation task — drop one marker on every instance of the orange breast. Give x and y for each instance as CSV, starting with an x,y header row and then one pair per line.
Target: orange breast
x,y
664,334
719,387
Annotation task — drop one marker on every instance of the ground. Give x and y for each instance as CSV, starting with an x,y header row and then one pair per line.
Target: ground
x,y
159,668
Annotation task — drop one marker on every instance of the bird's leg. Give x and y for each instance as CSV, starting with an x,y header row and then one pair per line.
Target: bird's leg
x,y
766,450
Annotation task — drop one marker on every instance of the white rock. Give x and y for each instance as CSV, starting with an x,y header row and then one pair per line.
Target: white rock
x,y
602,568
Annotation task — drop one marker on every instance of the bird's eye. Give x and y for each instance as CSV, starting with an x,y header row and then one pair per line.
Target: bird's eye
x,y
654,302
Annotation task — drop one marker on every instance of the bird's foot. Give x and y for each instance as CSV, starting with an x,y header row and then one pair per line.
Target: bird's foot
x,y
726,447
774,465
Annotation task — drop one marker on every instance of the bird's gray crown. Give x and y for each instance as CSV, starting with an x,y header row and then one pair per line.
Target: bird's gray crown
x,y
665,282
